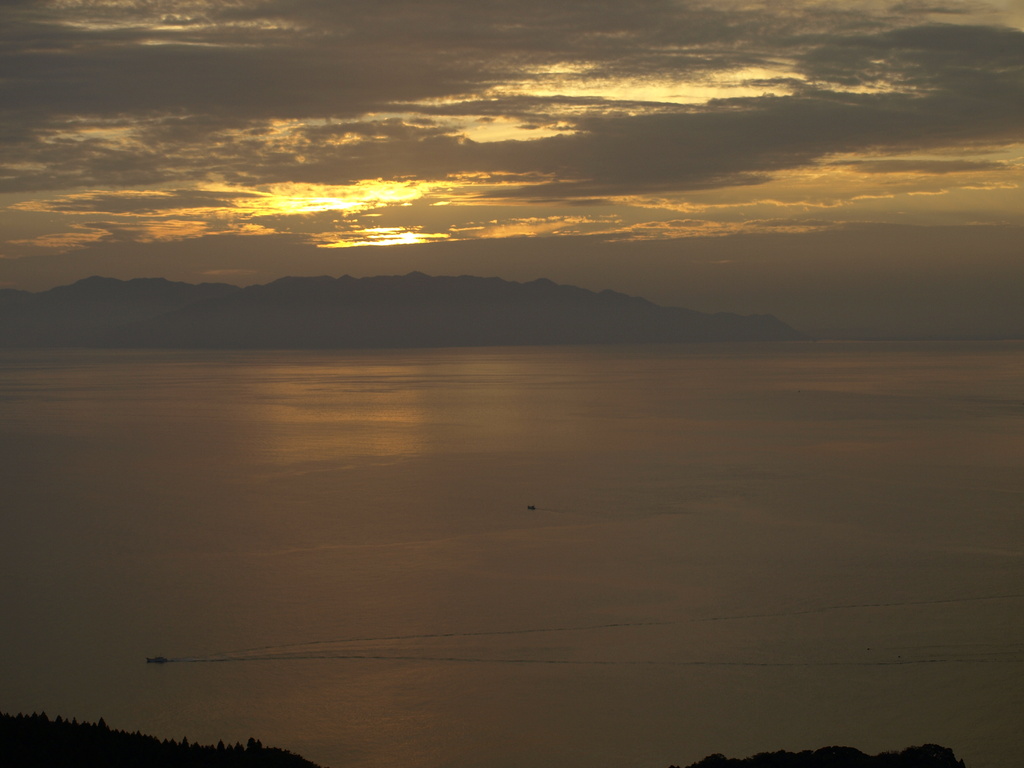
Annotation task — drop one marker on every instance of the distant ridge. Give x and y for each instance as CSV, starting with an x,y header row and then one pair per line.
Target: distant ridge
x,y
412,310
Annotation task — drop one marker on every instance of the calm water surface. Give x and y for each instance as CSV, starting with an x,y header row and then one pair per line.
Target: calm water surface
x,y
733,549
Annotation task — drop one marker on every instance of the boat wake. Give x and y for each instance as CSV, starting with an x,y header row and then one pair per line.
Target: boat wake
x,y
383,647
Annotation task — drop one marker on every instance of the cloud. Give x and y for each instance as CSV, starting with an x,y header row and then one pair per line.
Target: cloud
x,y
929,166
145,112
176,93
141,203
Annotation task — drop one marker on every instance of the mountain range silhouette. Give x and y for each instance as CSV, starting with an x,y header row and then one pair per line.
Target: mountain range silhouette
x,y
412,310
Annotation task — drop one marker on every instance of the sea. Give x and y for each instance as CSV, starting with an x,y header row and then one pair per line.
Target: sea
x,y
531,557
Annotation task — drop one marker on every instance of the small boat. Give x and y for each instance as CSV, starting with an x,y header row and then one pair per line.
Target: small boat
x,y
157,660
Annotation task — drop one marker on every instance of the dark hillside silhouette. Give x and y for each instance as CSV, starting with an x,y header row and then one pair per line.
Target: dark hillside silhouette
x,y
926,756
413,310
35,741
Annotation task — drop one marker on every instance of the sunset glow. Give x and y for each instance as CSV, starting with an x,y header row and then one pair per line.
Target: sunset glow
x,y
316,130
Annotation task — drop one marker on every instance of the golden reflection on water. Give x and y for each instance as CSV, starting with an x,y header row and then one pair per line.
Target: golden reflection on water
x,y
299,432
329,410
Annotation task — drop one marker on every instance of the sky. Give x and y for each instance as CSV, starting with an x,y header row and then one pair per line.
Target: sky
x,y
853,167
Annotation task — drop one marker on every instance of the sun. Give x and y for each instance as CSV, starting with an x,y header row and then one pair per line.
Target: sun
x,y
296,199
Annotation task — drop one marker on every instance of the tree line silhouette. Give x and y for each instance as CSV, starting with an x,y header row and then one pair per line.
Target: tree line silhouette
x,y
36,741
